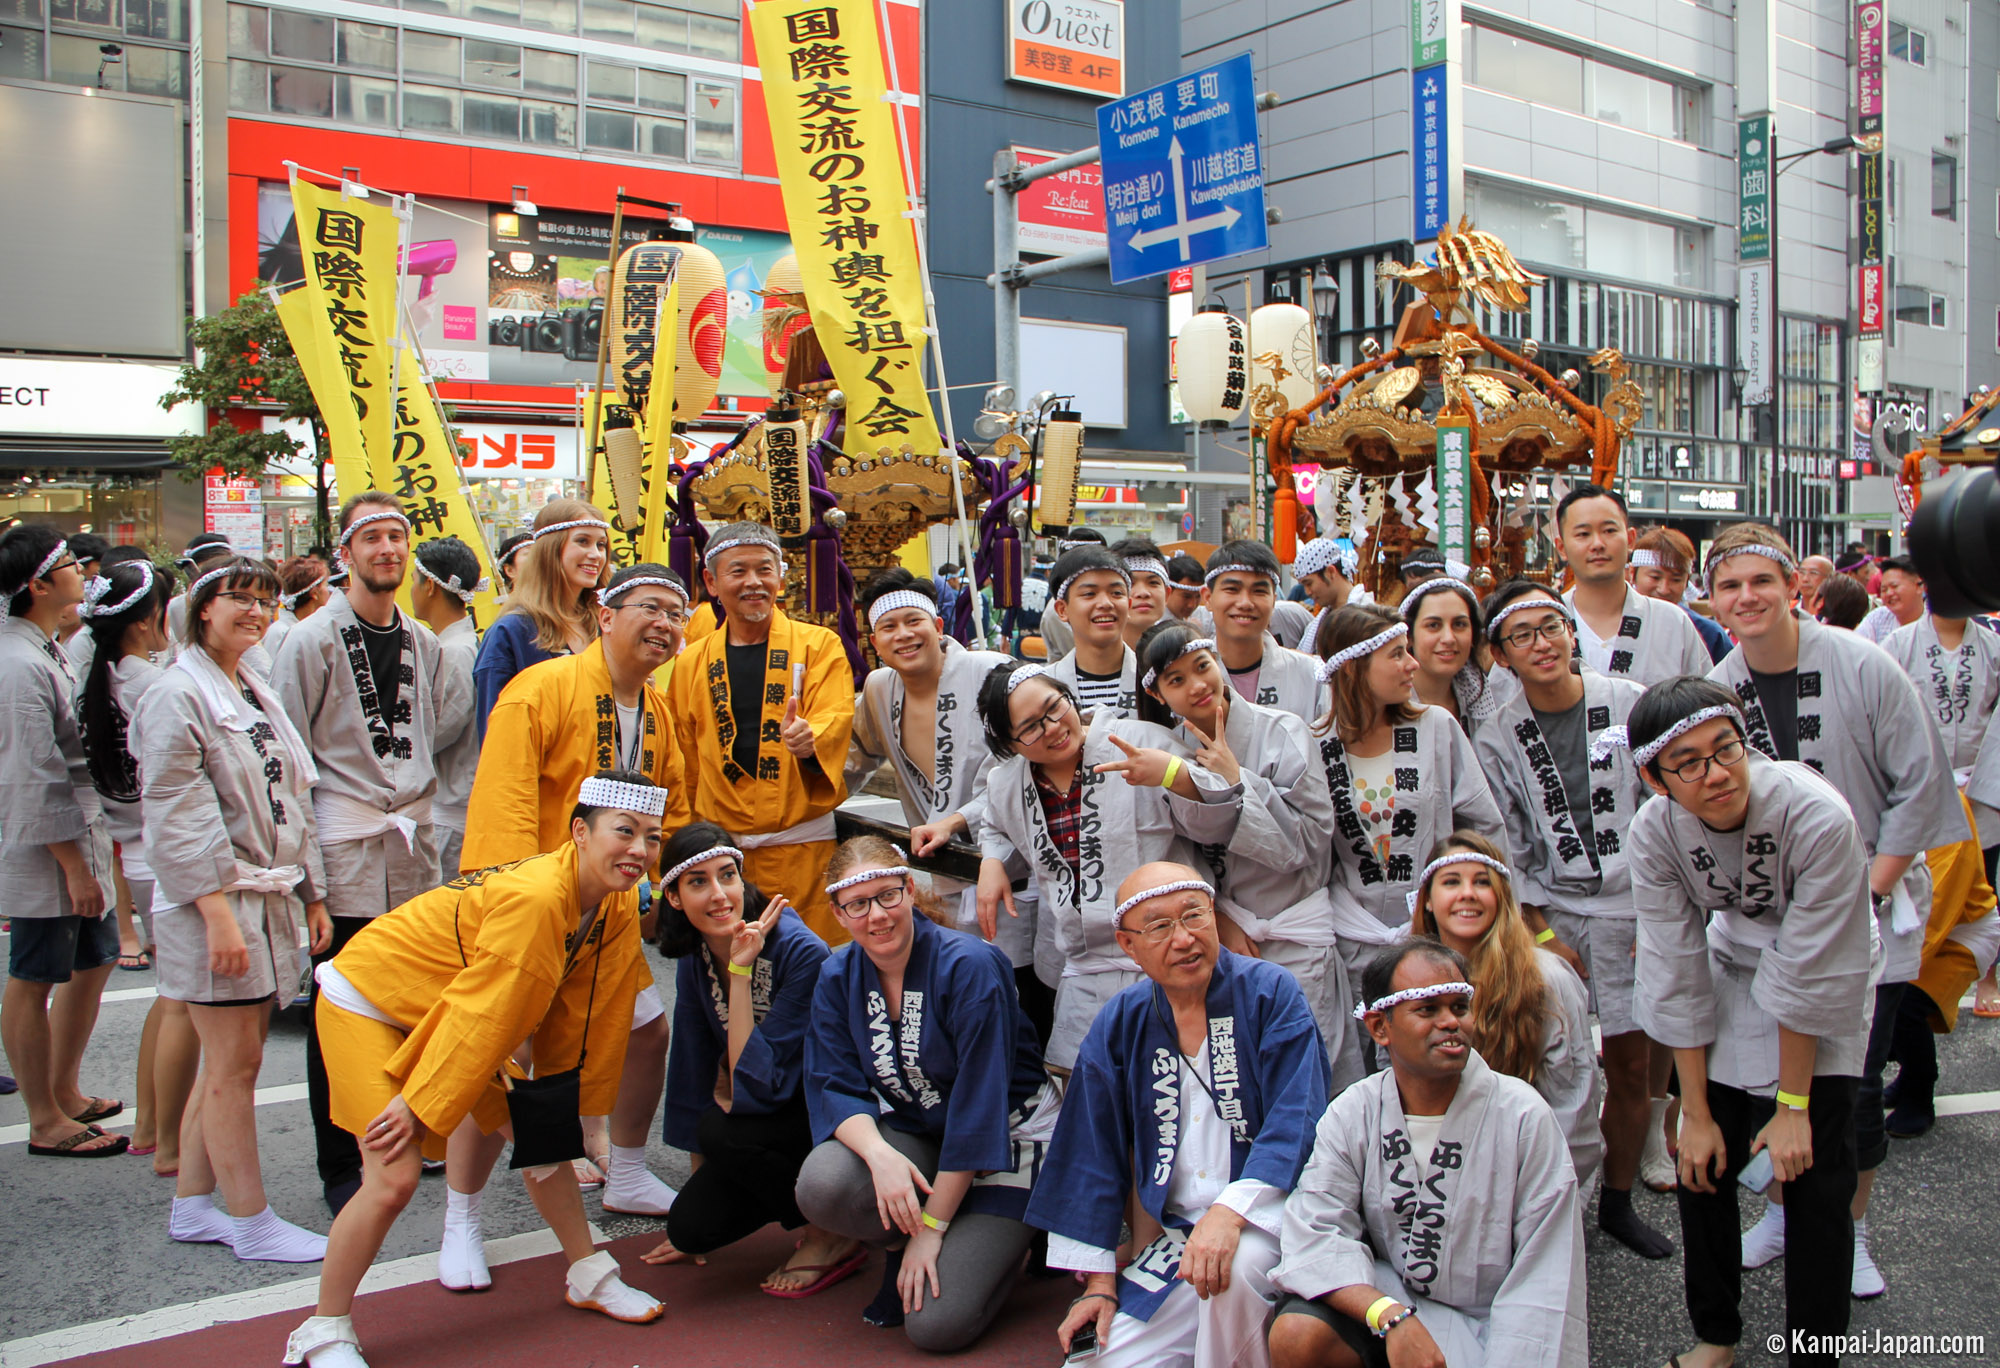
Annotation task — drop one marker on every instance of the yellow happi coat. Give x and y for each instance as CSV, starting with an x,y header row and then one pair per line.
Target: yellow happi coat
x,y
1959,894
782,793
554,726
483,964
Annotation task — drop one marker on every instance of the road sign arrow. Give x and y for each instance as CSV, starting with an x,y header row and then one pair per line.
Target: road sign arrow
x,y
1183,231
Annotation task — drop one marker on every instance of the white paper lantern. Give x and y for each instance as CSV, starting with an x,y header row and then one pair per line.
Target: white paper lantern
x,y
1212,364
1287,330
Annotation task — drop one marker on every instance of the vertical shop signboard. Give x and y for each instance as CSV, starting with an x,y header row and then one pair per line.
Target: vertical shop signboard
x,y
1756,271
1871,22
1454,488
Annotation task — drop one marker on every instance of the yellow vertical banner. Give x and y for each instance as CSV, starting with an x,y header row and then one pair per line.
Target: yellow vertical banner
x,y
424,476
624,546
349,248
329,391
842,180
660,422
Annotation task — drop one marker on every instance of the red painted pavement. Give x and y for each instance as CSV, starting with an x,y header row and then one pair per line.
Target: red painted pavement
x,y
716,1318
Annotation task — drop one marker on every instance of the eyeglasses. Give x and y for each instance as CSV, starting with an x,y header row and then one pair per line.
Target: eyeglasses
x,y
1032,732
1156,931
889,899
1553,629
653,612
62,564
266,606
1727,754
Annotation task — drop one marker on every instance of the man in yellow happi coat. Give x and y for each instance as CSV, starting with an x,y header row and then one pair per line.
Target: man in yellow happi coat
x,y
764,706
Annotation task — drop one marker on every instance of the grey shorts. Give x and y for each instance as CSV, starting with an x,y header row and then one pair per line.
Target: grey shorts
x,y
51,949
380,874
272,925
1606,946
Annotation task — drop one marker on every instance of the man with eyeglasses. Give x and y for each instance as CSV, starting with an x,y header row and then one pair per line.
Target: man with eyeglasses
x,y
1569,797
1198,1086
556,724
1751,882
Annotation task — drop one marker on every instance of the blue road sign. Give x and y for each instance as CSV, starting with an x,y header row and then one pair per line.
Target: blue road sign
x,y
1183,173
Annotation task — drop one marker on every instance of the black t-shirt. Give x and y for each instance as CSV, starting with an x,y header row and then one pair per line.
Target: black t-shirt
x,y
746,699
1779,693
1569,741
385,662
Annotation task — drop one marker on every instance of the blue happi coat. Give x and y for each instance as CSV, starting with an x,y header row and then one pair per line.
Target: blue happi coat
x,y
772,1069
1268,1071
956,1066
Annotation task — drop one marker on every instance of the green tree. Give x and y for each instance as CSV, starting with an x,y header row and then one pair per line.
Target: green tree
x,y
243,357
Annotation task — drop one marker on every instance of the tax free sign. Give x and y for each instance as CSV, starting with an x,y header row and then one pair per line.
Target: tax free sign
x,y
1183,172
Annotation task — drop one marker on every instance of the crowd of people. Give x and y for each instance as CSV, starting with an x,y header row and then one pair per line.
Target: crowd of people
x,y
1300,969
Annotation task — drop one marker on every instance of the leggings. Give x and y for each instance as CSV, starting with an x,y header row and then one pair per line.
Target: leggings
x,y
749,1166
977,1262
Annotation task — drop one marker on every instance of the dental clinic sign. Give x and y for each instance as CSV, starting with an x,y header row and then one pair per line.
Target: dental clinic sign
x,y
1075,45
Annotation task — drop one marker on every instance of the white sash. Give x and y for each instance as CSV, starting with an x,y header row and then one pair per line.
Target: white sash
x,y
342,819
819,828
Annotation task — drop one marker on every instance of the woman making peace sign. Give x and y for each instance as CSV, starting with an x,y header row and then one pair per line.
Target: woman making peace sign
x,y
1054,798
1271,877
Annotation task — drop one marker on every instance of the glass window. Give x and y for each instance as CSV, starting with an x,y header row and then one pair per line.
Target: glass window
x,y
1536,229
550,71
550,16
21,11
451,7
1944,185
155,71
429,54
301,90
307,37
371,47
663,138
710,36
1525,70
1625,97
21,53
249,30
369,100
608,82
95,13
663,90
608,20
492,64
166,19
74,61
490,117
714,122
608,128
429,108
551,125
248,86
1909,44
494,11
663,30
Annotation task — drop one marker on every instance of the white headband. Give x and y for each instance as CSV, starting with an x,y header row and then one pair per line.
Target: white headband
x,y
620,589
377,516
1431,586
292,600
1315,556
48,564
899,598
1349,561
1231,569
1362,648
1648,560
865,875
94,605
1146,565
1383,1004
1178,886
1500,615
1022,675
1454,857
1716,558
612,793
541,532
716,548
1645,755
1062,591
450,586
1198,644
704,857
215,575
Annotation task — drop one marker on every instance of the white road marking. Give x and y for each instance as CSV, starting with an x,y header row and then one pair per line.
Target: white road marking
x,y
266,1097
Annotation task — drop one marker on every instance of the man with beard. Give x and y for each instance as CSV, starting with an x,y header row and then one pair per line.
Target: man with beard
x,y
764,707
363,684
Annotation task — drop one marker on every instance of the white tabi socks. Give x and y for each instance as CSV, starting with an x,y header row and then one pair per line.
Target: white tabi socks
x,y
198,1220
268,1238
325,1342
594,1285
1765,1241
630,1189
462,1259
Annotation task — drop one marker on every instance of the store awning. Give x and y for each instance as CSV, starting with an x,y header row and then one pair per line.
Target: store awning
x,y
85,453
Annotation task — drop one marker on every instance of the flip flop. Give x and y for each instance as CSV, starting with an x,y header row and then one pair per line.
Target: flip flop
x,y
1983,1006
137,964
100,1109
8,1087
67,1149
829,1274
141,1151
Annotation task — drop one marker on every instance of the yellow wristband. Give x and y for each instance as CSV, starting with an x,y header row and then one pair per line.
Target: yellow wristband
x,y
935,1224
1545,935
1375,1310
746,970
1796,1101
1173,772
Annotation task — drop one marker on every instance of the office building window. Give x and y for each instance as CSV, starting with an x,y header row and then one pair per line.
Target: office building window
x,y
1562,79
1578,237
1909,44
1915,304
60,41
1944,185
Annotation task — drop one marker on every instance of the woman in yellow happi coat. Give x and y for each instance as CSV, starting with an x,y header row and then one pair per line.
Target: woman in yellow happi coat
x,y
421,1015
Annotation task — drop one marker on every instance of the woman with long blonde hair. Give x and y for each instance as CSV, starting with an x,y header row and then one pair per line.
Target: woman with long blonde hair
x,y
1530,1016
553,608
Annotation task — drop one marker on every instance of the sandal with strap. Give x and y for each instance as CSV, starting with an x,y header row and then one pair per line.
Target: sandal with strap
x,y
98,1109
325,1342
829,1274
69,1149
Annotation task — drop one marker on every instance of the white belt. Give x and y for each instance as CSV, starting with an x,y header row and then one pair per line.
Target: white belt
x,y
1099,964
818,829
342,819
1309,921
251,879
1354,923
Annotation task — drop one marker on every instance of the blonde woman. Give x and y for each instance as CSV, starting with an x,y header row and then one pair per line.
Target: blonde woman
x,y
552,610
1530,1015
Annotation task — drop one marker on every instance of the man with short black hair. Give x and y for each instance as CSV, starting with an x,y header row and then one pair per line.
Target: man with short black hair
x,y
1089,593
1146,599
1183,586
1902,594
1326,570
1620,631
1240,591
1058,637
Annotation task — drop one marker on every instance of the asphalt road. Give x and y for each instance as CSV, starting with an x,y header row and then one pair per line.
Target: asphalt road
x,y
87,1242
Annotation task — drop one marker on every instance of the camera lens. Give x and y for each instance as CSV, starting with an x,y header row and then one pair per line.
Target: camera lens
x,y
1953,539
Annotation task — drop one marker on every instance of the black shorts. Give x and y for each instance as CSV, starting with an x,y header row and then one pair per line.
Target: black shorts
x,y
1372,1350
50,949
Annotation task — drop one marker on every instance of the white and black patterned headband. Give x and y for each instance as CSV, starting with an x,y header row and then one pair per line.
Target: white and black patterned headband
x,y
611,593
1177,886
1235,569
1646,754
214,575
899,598
1508,610
1146,565
94,593
1772,553
293,600
1315,556
379,515
48,564
556,527
1022,675
1349,561
704,857
598,792
450,585
1197,644
716,548
1432,586
1454,857
1359,649
1062,591
1429,990
1649,560
863,876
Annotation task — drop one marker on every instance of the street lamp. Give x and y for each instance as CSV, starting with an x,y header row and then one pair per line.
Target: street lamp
x,y
1326,301
112,54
